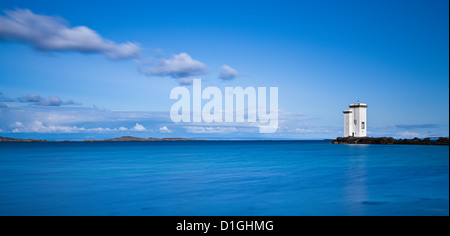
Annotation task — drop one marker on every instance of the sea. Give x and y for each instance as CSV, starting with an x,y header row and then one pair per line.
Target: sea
x,y
223,178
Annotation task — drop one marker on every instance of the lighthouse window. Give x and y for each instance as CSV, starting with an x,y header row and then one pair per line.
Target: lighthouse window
x,y
363,125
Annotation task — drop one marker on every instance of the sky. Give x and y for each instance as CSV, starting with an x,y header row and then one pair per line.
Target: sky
x,y
93,69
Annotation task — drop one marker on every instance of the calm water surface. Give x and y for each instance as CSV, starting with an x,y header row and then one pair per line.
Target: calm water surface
x,y
223,178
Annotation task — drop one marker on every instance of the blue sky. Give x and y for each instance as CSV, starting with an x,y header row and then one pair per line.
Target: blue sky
x,y
322,55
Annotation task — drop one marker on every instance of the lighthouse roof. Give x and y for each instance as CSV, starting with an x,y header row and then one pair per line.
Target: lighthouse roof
x,y
358,105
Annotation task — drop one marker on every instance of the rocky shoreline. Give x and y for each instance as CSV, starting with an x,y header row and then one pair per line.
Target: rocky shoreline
x,y
390,140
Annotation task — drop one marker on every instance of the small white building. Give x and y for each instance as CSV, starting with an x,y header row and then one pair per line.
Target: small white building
x,y
355,120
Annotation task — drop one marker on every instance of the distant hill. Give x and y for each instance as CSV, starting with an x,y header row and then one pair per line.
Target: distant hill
x,y
3,139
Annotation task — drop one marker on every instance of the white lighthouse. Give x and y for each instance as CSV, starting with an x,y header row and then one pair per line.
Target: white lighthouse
x,y
355,120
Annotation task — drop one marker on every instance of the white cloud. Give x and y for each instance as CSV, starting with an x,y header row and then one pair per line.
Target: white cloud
x,y
49,33
122,129
19,124
228,73
179,66
164,129
138,127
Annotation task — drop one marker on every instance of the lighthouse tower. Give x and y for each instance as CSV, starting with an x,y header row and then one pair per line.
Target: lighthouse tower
x,y
355,120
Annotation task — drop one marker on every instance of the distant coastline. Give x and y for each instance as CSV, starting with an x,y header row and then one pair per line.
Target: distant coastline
x,y
120,139
339,140
390,140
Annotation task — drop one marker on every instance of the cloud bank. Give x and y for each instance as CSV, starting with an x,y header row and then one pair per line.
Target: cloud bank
x,y
40,127
418,126
49,33
3,98
50,101
35,99
93,123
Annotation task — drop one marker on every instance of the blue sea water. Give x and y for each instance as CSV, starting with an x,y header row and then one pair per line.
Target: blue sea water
x,y
223,178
